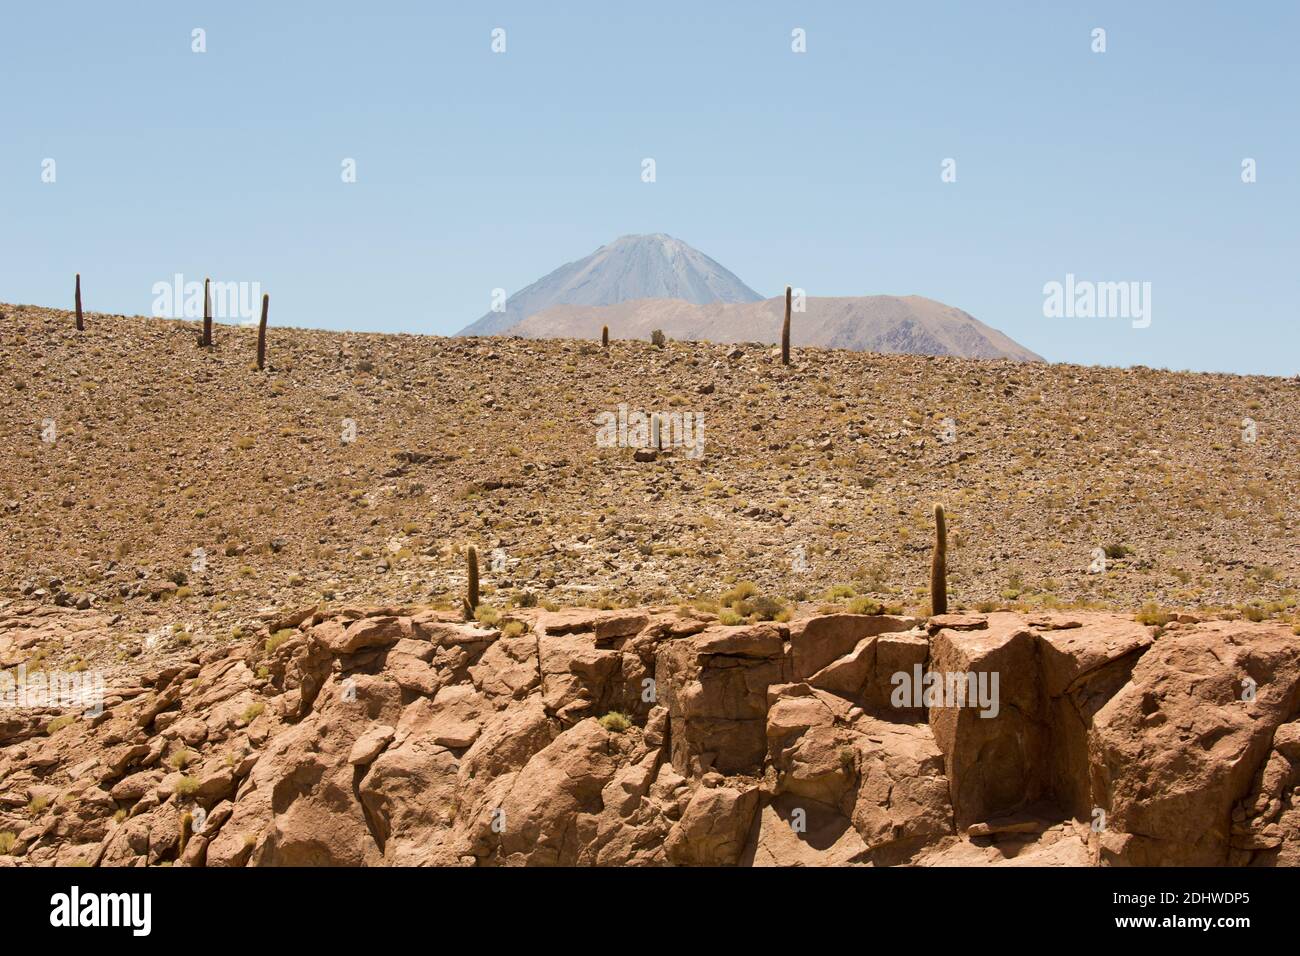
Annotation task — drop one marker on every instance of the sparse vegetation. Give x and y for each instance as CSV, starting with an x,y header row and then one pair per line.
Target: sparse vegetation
x,y
840,457
865,605
744,602
1151,614
58,723
278,638
615,722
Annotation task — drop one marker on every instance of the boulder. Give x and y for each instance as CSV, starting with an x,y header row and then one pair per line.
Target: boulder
x,y
539,815
995,757
816,642
578,679
901,803
865,674
1183,740
715,688
1085,659
791,831
299,808
370,745
409,791
714,828
508,668
368,632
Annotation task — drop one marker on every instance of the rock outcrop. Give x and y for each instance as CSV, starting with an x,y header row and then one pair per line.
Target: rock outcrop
x,y
659,736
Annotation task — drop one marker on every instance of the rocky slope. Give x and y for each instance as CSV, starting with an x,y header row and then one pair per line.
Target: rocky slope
x,y
185,496
630,267
652,736
911,325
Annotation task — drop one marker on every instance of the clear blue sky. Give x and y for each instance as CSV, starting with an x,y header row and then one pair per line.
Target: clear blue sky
x,y
478,170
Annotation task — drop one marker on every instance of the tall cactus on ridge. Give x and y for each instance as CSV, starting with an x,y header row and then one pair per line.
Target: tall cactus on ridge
x,y
81,326
785,329
207,315
939,564
261,332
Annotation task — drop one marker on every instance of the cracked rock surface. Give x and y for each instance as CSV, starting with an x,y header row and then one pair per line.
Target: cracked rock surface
x,y
659,736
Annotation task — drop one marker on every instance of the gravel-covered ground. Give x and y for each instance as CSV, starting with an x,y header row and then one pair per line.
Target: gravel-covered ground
x,y
181,489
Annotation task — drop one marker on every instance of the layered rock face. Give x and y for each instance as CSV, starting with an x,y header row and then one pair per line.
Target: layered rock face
x,y
657,736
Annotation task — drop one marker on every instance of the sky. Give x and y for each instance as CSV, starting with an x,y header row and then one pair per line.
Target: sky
x,y
478,170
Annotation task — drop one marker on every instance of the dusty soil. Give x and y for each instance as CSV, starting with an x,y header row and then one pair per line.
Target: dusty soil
x,y
816,481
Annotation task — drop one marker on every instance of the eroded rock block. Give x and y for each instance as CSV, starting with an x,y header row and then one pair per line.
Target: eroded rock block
x,y
995,758
816,642
1182,741
714,828
901,803
715,688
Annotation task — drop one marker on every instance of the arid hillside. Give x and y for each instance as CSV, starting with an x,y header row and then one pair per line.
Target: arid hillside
x,y
911,325
180,488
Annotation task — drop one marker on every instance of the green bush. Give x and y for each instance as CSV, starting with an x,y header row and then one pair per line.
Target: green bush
x,y
615,722
865,605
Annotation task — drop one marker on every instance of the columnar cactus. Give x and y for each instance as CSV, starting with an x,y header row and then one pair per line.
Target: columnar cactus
x,y
471,567
939,565
207,315
604,336
261,333
81,326
785,330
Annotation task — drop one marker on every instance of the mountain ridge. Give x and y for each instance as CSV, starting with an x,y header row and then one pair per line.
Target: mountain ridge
x,y
654,265
910,324
639,283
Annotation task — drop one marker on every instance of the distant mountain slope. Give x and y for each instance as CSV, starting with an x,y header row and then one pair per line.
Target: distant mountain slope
x,y
874,323
633,267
